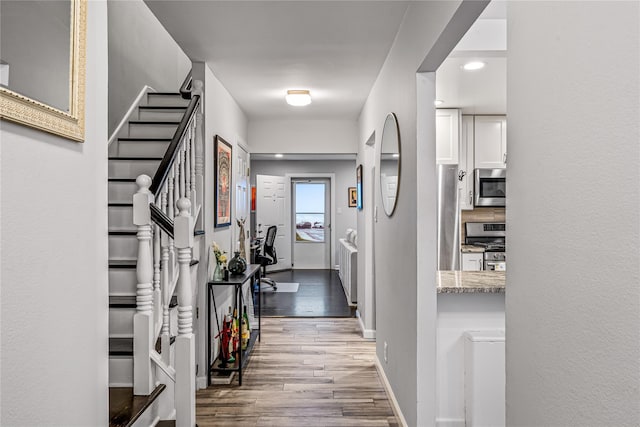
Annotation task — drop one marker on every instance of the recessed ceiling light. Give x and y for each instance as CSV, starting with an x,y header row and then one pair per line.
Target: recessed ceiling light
x,y
298,98
279,156
473,65
438,102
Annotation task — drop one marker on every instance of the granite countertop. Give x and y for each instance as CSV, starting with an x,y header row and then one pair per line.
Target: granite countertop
x,y
463,282
471,249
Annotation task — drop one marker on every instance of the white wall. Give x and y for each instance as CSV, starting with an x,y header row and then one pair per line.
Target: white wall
x,y
366,279
401,308
141,52
54,293
345,173
223,117
573,298
303,136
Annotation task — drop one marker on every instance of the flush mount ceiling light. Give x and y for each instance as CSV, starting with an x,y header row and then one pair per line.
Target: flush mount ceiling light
x,y
298,98
278,156
473,65
438,102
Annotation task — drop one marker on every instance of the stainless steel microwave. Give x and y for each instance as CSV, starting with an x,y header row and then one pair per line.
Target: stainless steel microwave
x,y
490,187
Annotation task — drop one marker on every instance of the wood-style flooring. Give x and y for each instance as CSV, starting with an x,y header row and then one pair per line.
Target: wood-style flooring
x,y
320,295
304,373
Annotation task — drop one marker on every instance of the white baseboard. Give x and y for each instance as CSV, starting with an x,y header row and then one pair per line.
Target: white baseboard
x,y
368,334
201,383
392,397
450,422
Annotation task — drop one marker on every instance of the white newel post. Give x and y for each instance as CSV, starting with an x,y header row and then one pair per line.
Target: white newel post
x,y
199,154
143,319
185,364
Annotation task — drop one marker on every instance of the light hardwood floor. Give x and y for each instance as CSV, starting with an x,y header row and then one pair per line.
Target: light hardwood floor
x,y
304,373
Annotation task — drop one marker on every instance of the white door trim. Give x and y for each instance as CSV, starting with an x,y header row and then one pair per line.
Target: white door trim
x,y
332,180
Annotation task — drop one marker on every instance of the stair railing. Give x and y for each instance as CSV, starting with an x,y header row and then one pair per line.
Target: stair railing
x,y
164,211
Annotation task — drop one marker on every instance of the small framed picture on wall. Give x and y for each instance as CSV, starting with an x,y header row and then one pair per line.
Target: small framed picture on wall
x,y
359,187
223,182
353,197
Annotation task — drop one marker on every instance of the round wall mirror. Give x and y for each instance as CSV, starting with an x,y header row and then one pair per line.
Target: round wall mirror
x,y
390,163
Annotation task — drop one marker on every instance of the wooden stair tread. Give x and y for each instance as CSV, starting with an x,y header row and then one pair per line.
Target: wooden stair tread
x,y
122,232
131,232
131,263
154,122
124,346
125,408
166,423
149,138
165,93
121,179
120,346
129,301
162,107
135,158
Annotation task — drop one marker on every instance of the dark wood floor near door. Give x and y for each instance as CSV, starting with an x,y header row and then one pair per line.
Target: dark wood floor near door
x,y
320,295
304,373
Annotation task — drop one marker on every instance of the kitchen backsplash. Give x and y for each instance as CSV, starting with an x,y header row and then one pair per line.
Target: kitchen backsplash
x,y
481,215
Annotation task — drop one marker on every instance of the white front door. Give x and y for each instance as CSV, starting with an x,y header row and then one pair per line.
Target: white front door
x,y
311,223
273,208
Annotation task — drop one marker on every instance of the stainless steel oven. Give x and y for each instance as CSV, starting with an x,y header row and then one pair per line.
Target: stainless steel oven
x,y
490,187
492,237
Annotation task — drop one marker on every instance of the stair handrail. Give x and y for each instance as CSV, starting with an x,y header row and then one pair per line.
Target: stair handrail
x,y
185,87
161,175
163,211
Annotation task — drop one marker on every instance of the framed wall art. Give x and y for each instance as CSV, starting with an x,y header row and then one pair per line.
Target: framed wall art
x,y
353,197
223,182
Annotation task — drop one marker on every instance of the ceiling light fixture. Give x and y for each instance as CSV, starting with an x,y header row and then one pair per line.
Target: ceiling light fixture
x,y
279,156
473,65
298,98
438,102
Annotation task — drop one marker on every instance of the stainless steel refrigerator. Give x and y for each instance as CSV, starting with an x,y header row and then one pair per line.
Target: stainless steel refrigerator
x,y
448,218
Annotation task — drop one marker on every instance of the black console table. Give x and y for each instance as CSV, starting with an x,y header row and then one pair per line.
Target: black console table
x,y
252,273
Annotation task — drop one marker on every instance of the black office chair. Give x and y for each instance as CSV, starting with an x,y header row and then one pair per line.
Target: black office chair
x,y
267,256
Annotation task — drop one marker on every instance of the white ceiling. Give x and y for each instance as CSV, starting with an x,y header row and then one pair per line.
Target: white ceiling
x,y
482,91
260,49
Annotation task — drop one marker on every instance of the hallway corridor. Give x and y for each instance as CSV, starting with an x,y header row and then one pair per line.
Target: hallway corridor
x,y
305,372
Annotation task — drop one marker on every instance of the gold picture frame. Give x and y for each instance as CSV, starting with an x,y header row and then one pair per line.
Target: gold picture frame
x,y
29,112
353,197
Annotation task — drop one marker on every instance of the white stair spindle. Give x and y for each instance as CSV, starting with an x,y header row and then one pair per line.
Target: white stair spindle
x,y
166,299
185,342
187,162
157,295
143,381
192,163
183,226
171,205
183,178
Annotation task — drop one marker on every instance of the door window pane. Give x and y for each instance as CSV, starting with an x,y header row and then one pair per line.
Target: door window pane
x,y
310,212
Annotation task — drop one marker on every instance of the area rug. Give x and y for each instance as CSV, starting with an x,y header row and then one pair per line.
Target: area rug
x,y
282,287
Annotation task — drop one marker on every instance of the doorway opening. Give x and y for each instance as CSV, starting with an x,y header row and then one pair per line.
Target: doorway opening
x,y
311,228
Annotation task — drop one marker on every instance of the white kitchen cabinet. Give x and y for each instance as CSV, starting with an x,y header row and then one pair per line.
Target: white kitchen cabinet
x,y
490,142
465,184
472,261
447,136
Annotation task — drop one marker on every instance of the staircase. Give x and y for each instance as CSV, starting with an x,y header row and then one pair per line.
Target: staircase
x,y
155,193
